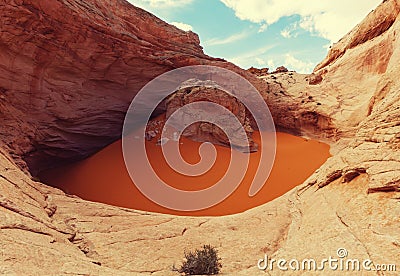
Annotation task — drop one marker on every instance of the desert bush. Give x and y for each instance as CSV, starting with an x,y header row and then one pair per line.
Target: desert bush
x,y
204,261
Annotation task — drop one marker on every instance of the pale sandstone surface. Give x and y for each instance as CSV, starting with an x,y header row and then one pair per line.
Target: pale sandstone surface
x,y
352,201
359,70
45,231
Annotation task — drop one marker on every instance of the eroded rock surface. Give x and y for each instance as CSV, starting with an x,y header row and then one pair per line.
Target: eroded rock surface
x,y
195,91
352,201
74,67
79,237
258,72
69,70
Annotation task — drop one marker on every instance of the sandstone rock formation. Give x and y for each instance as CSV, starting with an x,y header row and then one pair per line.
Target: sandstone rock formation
x,y
351,202
258,72
378,22
280,69
81,64
358,70
196,91
74,67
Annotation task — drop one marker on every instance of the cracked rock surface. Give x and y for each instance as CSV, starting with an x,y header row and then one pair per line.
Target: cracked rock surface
x,y
351,202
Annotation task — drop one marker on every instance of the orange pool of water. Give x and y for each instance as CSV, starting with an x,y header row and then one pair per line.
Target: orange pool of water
x,y
104,178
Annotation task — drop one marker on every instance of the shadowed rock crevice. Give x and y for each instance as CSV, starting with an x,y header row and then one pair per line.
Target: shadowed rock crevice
x,y
80,65
199,91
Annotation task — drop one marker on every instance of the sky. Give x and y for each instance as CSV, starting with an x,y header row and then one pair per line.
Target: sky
x,y
264,33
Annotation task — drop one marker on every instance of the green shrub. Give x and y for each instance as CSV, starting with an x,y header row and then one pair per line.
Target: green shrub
x,y
201,262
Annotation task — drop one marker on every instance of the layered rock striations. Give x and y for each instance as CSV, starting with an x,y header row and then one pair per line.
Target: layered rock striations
x,y
74,66
69,70
377,22
351,202
195,91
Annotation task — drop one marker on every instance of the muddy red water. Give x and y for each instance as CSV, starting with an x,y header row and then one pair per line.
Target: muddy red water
x,y
104,178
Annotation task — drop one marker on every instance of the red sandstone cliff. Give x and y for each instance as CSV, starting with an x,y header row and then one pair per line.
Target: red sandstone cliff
x,y
69,69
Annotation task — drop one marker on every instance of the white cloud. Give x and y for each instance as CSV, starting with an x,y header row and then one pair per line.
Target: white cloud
x,y
308,24
227,40
273,61
328,19
182,26
299,66
260,62
271,64
247,60
290,31
285,33
262,28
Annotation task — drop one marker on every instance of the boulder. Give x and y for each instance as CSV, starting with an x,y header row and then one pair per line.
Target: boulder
x,y
196,91
258,72
280,69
